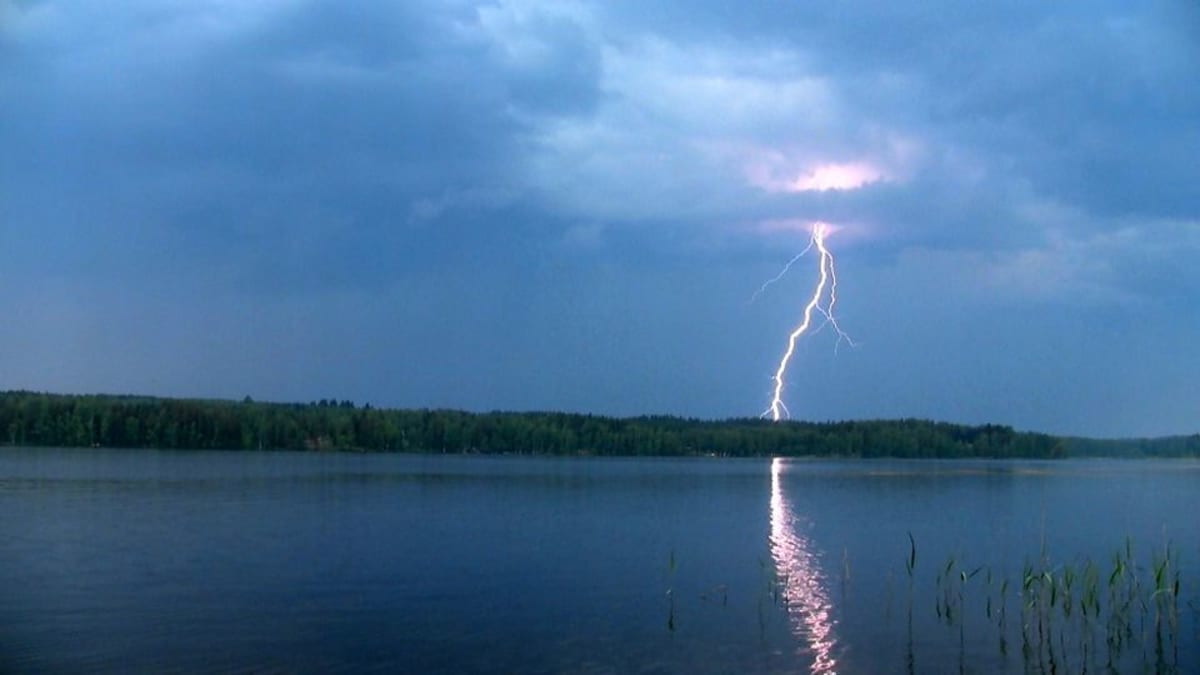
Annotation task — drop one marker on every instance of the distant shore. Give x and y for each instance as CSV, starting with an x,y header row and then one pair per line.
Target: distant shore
x,y
65,420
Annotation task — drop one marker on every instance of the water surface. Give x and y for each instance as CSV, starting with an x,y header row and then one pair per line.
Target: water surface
x,y
118,561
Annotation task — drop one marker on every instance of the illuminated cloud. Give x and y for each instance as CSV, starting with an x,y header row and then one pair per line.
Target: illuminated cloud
x,y
552,171
799,169
836,177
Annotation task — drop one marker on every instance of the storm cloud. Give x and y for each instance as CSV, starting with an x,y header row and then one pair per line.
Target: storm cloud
x,y
516,205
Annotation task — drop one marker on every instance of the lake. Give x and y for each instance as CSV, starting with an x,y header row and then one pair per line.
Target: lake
x,y
148,561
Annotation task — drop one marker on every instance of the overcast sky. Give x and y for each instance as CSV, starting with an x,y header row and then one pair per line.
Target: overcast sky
x,y
568,206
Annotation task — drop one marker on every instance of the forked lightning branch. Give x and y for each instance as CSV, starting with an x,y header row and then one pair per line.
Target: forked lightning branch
x,y
822,302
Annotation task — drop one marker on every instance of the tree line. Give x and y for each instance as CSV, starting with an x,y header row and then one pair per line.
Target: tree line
x,y
1165,446
39,419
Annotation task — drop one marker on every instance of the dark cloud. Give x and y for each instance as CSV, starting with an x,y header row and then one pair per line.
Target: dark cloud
x,y
512,204
1087,103
309,141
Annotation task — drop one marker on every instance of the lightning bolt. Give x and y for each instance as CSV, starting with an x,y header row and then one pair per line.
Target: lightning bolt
x,y
821,303
782,273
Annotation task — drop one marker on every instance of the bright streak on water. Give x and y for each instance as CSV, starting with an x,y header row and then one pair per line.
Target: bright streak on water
x,y
805,598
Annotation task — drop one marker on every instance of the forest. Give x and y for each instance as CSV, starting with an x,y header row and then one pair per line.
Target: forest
x,y
40,419
1165,446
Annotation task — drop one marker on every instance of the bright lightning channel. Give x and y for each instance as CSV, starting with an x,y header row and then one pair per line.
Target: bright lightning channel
x,y
821,302
782,273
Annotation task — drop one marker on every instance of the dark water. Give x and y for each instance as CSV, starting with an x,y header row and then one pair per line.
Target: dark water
x,y
142,561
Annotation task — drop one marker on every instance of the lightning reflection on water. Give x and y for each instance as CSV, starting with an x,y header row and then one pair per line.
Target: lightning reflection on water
x,y
804,596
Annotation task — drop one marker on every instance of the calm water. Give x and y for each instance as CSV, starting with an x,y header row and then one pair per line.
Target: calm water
x,y
139,561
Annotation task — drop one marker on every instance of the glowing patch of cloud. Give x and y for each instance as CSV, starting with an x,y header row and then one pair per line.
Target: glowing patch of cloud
x,y
771,177
836,177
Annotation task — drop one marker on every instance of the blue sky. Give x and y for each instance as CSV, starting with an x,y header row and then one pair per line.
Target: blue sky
x,y
568,206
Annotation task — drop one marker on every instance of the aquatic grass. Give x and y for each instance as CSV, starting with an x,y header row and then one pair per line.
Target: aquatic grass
x,y
1069,620
845,568
911,562
1133,611
773,591
910,565
671,566
1165,600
